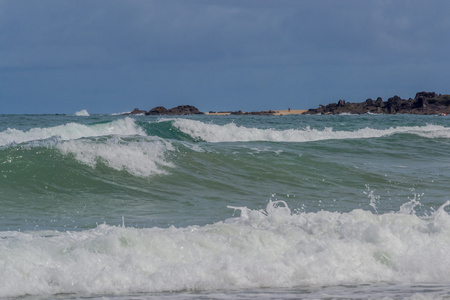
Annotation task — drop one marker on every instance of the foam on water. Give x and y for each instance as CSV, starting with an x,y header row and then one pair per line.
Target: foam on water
x,y
259,248
69,131
234,133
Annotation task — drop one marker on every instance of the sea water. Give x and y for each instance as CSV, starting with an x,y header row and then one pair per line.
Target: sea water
x,y
220,207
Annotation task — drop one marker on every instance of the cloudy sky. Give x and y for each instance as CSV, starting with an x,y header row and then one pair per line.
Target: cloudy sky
x,y
112,56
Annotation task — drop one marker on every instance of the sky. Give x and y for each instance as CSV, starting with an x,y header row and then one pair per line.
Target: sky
x,y
113,56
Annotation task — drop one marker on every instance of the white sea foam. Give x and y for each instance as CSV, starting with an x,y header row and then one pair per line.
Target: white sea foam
x,y
69,131
140,158
233,133
259,248
82,113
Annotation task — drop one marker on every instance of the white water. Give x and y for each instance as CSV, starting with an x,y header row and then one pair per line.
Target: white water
x,y
260,248
233,133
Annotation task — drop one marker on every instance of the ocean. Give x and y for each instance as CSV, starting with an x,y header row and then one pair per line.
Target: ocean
x,y
224,207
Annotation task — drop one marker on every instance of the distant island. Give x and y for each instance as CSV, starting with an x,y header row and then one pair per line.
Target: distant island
x,y
161,110
424,103
192,110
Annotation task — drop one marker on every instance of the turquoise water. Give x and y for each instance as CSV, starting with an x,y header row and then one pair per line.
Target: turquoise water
x,y
224,206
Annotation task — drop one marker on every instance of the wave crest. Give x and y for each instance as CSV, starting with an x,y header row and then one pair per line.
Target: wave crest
x,y
70,131
233,133
140,158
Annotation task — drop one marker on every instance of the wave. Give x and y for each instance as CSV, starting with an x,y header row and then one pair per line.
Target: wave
x,y
70,131
259,248
120,144
233,133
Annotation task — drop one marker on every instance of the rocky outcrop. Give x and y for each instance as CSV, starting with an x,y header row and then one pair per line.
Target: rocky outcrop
x,y
182,110
161,110
424,103
136,111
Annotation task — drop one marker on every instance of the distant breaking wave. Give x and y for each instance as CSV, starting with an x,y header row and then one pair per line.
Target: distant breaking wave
x,y
234,133
82,113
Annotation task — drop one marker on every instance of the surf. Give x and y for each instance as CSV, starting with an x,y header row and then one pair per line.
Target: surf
x,y
270,248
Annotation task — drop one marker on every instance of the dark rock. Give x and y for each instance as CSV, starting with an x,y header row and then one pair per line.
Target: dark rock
x,y
184,110
379,102
179,110
159,110
136,111
239,112
257,113
420,102
425,94
393,104
261,113
425,103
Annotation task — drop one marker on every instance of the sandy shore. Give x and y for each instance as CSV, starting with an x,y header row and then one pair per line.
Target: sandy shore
x,y
289,112
277,112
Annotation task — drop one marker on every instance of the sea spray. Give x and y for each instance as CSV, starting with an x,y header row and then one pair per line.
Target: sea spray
x,y
373,199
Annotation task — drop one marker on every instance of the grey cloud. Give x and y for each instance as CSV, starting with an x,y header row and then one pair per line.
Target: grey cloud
x,y
115,32
247,51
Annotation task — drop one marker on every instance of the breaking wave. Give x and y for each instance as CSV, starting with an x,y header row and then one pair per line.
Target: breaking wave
x,y
120,144
233,133
70,131
260,248
82,113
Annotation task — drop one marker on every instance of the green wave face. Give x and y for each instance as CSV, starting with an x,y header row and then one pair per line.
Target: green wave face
x,y
166,130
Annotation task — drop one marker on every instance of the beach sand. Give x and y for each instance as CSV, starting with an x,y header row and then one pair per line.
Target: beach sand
x,y
289,112
277,112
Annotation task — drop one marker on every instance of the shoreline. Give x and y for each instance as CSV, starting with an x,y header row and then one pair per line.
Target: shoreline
x,y
275,112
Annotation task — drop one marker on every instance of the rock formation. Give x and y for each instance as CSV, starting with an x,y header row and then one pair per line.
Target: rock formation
x,y
160,110
136,111
424,103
